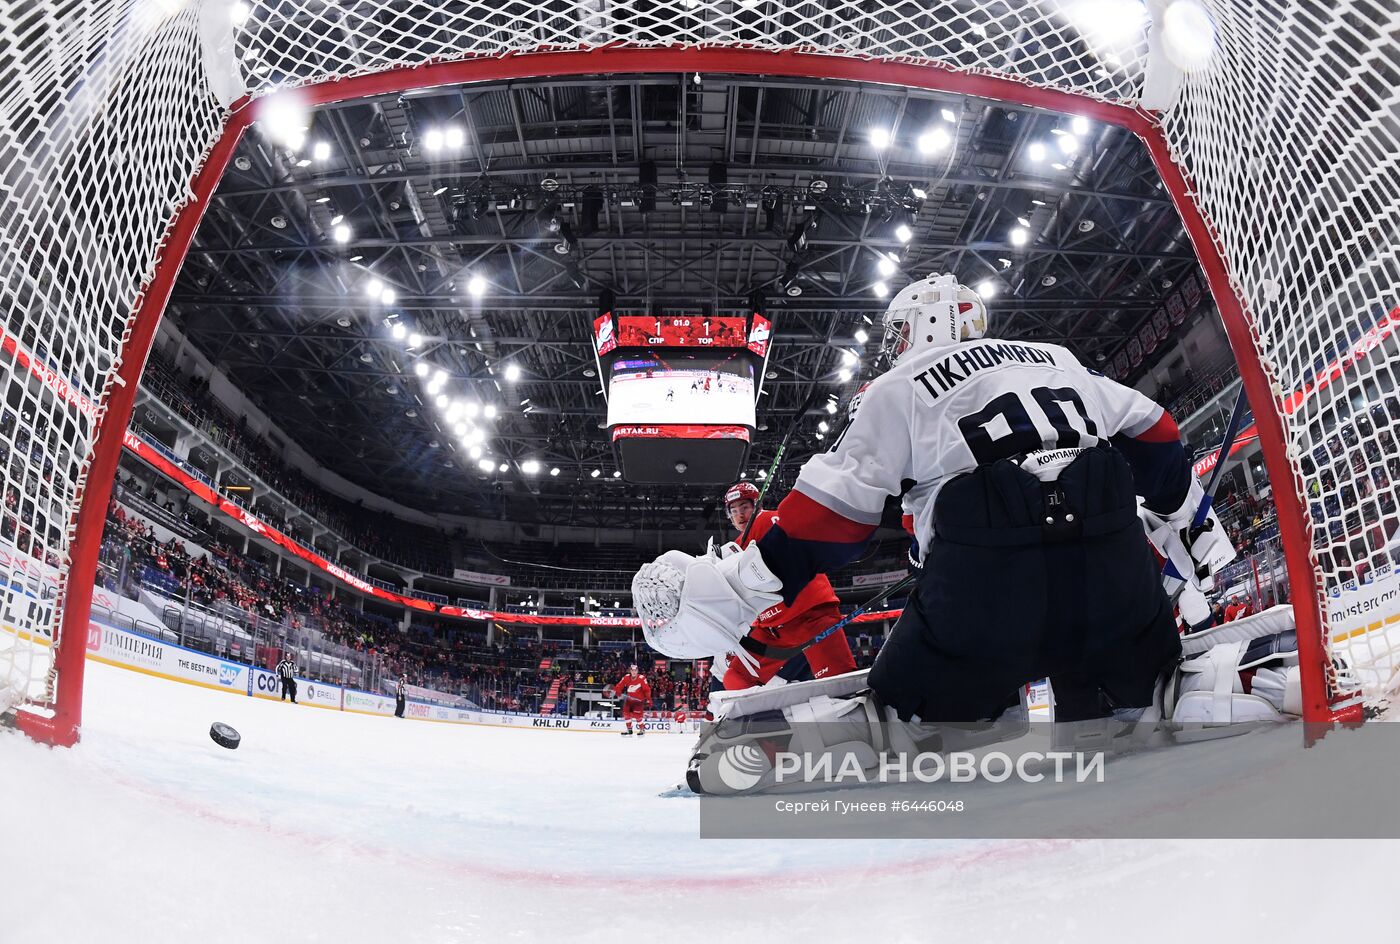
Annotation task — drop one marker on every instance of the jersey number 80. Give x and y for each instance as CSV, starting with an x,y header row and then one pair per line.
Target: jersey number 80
x,y
1007,426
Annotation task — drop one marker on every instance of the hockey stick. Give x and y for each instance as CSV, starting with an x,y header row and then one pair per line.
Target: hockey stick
x,y
1232,430
777,462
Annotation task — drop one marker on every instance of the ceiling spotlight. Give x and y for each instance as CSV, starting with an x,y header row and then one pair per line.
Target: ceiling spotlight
x,y
844,374
341,233
1079,125
831,406
486,465
1036,151
594,474
398,331
453,137
823,426
476,286
1068,143
512,372
504,467
903,233
321,151
617,474
879,138
284,117
849,358
885,266
421,369
433,140
880,289
388,296
440,377
489,411
279,222
530,467
474,452
375,288
1188,34
415,339
987,289
861,336
948,115
934,140
762,475
461,429
554,471
1019,236
441,401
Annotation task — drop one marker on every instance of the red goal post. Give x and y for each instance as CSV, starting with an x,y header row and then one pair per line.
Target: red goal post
x,y
1277,144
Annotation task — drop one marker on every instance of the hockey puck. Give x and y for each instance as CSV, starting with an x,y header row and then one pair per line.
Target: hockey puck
x,y
224,735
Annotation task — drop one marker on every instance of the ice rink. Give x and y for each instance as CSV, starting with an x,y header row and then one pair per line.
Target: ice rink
x,y
327,826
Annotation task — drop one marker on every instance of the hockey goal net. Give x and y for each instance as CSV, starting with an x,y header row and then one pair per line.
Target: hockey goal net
x,y
1273,125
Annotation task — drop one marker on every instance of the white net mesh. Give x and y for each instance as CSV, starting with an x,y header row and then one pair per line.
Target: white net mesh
x,y
1285,122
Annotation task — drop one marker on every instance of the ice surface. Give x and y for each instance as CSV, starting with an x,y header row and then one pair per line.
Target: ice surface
x,y
338,827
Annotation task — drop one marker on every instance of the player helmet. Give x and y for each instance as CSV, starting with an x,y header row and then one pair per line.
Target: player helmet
x,y
931,313
740,491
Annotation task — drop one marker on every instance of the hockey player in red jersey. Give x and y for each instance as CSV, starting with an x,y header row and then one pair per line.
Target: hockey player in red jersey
x,y
635,693
780,626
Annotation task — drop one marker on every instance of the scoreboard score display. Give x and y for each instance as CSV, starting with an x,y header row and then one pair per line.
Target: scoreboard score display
x,y
681,392
681,332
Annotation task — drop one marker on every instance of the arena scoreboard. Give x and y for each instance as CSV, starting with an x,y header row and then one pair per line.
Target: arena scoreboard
x,y
681,393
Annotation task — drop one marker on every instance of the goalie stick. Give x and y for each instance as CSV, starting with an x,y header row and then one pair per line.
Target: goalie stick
x,y
1232,429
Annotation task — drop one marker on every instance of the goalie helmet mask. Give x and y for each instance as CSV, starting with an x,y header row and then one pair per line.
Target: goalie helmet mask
x,y
932,313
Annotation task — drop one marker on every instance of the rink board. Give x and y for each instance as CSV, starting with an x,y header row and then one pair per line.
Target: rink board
x,y
164,660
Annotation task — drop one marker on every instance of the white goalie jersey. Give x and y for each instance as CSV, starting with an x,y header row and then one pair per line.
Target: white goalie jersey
x,y
943,412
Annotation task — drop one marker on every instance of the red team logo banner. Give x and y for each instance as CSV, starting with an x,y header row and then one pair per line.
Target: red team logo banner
x,y
604,337
760,334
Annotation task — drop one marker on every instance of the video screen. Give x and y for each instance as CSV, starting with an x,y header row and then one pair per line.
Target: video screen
x,y
680,331
681,388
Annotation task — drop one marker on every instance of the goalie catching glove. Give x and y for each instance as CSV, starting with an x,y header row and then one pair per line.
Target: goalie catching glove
x,y
694,607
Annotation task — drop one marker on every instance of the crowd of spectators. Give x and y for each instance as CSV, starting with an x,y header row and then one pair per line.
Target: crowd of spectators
x,y
516,672
378,534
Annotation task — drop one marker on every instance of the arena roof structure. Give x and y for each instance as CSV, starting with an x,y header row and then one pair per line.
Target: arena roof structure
x,y
477,229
